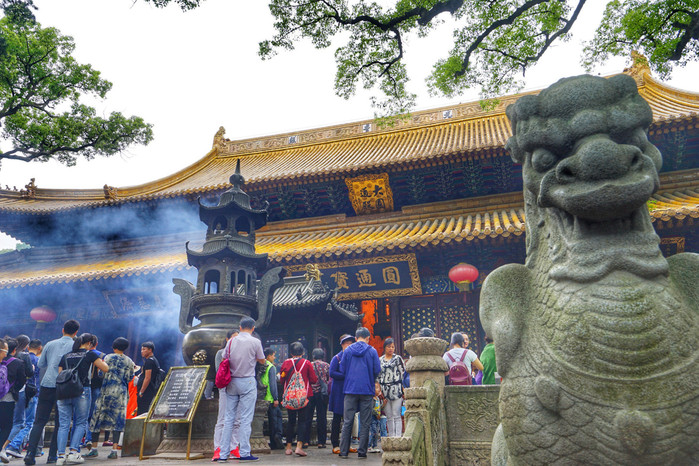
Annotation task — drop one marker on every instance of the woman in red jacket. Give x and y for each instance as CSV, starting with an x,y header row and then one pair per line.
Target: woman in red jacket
x,y
304,367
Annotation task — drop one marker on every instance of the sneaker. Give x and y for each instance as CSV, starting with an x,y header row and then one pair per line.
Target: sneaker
x,y
352,450
249,458
373,450
53,460
217,455
61,460
107,444
344,457
361,457
336,450
92,454
29,460
112,455
321,446
235,453
74,458
88,445
3,457
13,453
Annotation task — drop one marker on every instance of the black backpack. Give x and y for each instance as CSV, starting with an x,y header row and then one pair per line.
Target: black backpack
x,y
158,376
68,383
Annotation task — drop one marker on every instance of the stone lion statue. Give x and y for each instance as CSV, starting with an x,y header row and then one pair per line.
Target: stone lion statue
x,y
597,336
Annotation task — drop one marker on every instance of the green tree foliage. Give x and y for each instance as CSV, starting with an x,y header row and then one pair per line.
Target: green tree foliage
x,y
495,41
666,32
41,84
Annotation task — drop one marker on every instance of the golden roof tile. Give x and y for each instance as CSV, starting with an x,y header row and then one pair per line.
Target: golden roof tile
x,y
333,236
339,151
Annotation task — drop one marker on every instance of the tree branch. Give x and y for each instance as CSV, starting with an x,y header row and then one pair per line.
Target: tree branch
x,y
511,19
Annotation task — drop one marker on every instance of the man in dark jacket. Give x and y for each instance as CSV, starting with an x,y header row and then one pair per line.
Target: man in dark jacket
x,y
336,403
361,366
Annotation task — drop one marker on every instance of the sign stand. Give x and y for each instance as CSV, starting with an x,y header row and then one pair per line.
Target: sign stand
x,y
177,400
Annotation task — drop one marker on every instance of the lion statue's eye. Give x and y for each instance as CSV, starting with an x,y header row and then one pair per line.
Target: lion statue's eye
x,y
543,160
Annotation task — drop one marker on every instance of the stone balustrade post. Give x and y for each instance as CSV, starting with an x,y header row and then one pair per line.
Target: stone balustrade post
x,y
425,439
426,361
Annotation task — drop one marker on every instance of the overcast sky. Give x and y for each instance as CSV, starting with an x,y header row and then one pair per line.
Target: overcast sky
x,y
189,73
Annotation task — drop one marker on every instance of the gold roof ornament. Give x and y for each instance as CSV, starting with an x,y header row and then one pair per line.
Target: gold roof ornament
x,y
312,272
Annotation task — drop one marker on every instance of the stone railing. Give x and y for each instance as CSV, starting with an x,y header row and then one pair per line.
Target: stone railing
x,y
451,425
472,417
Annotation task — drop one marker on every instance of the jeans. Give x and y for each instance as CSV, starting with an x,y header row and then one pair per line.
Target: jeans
x,y
94,394
335,430
78,407
241,395
395,424
384,430
319,405
274,419
26,420
46,403
374,432
218,429
365,405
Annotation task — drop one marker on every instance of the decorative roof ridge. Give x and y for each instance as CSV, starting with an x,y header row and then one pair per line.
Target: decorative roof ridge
x,y
96,249
671,105
681,179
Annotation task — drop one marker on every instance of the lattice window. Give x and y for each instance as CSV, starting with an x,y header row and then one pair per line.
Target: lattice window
x,y
416,318
460,318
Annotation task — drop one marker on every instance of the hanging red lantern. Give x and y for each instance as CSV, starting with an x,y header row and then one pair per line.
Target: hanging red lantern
x,y
463,275
42,314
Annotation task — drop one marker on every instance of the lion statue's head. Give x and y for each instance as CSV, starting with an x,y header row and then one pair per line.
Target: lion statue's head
x,y
588,171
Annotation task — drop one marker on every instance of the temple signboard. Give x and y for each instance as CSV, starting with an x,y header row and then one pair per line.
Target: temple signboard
x,y
370,194
376,277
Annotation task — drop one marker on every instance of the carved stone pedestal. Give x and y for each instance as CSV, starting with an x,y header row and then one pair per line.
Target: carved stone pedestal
x,y
425,439
202,431
258,442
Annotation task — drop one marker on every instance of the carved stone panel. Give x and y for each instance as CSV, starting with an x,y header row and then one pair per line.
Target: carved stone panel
x,y
473,412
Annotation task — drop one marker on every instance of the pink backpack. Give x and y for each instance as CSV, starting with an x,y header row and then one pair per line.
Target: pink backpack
x,y
459,374
296,392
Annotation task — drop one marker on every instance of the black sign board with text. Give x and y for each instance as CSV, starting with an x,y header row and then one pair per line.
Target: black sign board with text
x,y
179,395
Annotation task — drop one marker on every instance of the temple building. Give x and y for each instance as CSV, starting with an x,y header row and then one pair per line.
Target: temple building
x,y
382,213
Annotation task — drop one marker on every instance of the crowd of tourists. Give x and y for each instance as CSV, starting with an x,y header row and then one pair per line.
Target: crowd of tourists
x,y
364,392
88,392
92,392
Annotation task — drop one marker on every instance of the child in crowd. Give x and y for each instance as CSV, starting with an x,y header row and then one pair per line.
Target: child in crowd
x,y
374,432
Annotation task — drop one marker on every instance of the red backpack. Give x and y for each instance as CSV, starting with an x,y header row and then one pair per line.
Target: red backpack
x,y
296,392
459,374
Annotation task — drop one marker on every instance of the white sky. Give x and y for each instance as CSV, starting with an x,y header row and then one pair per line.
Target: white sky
x,y
189,73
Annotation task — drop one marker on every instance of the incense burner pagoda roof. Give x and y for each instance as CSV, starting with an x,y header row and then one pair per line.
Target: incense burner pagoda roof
x,y
323,238
345,150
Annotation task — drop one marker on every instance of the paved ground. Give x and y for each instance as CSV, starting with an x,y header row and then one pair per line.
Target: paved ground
x,y
315,457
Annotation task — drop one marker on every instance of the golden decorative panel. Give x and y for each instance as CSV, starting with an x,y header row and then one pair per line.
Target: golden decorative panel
x,y
370,194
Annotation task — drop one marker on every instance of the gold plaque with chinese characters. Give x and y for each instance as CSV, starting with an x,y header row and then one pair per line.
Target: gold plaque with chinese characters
x,y
370,194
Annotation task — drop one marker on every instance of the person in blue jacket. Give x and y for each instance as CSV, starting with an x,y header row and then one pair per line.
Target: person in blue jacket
x,y
361,366
336,403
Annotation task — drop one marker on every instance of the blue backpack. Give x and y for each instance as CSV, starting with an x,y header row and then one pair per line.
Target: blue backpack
x,y
5,384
